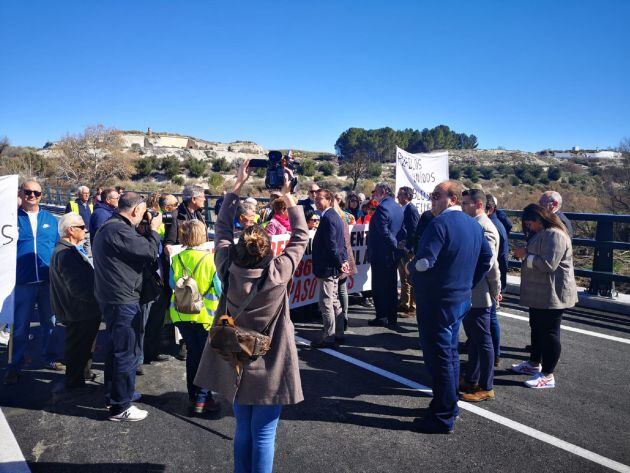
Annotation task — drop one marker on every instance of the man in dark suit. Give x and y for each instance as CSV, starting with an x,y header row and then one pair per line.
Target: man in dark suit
x,y
382,254
452,257
330,259
407,239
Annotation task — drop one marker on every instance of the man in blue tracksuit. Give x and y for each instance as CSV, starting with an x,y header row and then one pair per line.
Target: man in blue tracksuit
x,y
452,258
37,230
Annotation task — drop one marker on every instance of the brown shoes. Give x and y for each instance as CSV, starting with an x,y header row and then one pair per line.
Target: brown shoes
x,y
477,396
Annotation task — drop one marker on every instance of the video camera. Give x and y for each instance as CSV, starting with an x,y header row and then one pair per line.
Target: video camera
x,y
276,165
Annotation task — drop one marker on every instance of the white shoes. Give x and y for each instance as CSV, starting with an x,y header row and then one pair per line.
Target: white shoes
x,y
525,367
540,381
132,414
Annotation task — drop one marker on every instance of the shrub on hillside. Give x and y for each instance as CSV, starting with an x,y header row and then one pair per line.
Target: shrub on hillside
x,y
215,181
178,180
375,170
327,169
221,165
554,173
471,173
308,167
196,167
486,172
171,166
145,166
515,181
454,172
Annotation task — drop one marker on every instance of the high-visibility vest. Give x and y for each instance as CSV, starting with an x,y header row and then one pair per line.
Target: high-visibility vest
x,y
208,283
74,207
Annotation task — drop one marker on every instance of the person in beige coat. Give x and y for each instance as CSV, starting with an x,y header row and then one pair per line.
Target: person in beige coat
x,y
273,380
547,288
479,378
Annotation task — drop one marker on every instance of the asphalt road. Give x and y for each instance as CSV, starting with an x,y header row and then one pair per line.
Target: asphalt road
x,y
354,419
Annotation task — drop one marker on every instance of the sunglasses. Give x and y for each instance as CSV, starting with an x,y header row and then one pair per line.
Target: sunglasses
x,y
32,192
82,227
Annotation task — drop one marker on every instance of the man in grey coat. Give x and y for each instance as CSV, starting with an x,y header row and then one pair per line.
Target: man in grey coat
x,y
479,376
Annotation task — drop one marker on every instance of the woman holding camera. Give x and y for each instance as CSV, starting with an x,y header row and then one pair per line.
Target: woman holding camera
x,y
547,288
257,389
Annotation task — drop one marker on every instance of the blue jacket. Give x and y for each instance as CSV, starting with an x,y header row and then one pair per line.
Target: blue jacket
x,y
458,256
329,247
407,232
34,252
384,227
102,213
505,220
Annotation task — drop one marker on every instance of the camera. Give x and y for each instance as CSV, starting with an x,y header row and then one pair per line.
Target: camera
x,y
276,165
167,218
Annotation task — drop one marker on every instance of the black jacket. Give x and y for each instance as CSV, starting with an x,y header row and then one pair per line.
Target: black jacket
x,y
181,214
566,222
72,285
120,254
329,246
307,205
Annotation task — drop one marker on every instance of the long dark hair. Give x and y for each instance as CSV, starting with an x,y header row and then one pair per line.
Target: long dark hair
x,y
537,213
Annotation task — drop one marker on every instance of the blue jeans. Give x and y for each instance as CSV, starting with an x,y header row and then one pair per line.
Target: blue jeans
x,y
480,368
439,336
195,337
25,299
123,325
255,437
495,330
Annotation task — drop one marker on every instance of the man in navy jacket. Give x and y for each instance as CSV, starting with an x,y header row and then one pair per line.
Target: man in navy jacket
x,y
452,257
37,237
407,239
383,255
330,259
103,210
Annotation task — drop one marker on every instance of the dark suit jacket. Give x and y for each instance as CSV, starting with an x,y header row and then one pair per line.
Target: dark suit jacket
x,y
384,227
329,248
566,222
307,205
408,231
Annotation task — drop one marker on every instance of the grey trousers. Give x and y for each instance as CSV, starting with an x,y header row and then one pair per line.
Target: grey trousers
x,y
329,306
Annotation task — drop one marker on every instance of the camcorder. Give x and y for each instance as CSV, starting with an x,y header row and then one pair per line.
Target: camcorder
x,y
277,165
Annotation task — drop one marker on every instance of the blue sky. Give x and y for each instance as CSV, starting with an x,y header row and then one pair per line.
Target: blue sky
x,y
290,74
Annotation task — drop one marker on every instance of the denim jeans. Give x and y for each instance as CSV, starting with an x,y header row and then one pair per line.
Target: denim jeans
x,y
439,335
480,367
195,337
495,330
254,439
123,325
26,296
342,292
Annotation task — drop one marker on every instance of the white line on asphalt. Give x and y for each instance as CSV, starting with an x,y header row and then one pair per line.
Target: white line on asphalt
x,y
11,458
570,329
524,429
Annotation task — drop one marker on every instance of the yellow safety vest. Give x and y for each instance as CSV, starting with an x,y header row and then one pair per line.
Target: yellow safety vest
x,y
74,207
207,281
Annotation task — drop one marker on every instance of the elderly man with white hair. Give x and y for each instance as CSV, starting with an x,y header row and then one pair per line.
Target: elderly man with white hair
x,y
72,297
81,205
194,200
552,201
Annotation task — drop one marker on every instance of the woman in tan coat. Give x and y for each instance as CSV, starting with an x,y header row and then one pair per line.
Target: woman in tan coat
x,y
547,288
273,380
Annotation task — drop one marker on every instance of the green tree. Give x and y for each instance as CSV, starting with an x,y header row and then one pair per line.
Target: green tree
x,y
171,166
471,173
221,165
375,170
145,166
327,169
308,167
215,181
486,172
515,181
177,180
554,173
454,172
196,167
355,167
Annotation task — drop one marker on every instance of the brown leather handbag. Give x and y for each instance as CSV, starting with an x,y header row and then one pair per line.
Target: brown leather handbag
x,y
239,344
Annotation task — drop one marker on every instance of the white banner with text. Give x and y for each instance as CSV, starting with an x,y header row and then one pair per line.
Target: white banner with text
x,y
422,172
8,245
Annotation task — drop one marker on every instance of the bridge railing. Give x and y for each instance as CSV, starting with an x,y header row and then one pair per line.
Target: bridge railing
x,y
602,276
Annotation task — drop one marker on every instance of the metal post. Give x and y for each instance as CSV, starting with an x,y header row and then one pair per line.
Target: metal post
x,y
603,259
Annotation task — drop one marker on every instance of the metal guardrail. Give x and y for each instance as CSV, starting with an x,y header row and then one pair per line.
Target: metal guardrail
x,y
602,276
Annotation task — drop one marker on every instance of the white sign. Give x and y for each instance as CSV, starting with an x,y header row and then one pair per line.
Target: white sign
x,y
304,288
8,245
422,172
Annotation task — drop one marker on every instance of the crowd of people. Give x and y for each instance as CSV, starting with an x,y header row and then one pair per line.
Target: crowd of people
x,y
134,263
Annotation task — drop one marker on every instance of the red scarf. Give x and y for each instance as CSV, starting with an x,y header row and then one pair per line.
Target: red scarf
x,y
284,221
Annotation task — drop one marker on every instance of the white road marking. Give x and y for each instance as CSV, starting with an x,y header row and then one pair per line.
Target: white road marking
x,y
570,329
11,458
524,429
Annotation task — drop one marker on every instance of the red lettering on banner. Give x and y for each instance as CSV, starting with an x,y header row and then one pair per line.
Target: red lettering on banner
x,y
297,286
308,267
280,246
313,287
298,271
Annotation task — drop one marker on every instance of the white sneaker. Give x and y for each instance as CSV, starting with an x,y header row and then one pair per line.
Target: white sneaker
x,y
525,367
540,381
132,414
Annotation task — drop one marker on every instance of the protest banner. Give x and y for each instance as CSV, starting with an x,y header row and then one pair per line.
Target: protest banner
x,y
304,288
422,172
8,245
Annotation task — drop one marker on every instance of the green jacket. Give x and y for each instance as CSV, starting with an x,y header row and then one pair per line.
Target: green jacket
x,y
207,281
